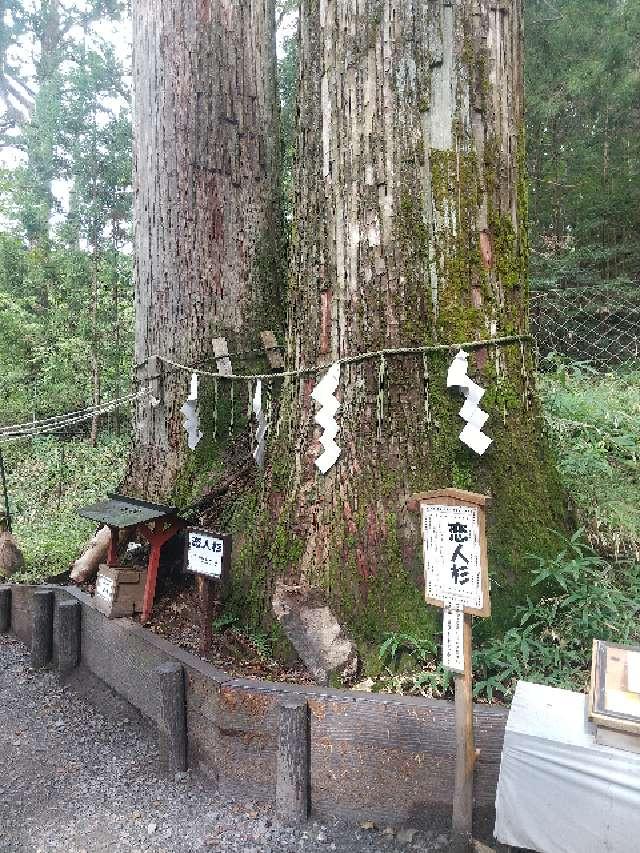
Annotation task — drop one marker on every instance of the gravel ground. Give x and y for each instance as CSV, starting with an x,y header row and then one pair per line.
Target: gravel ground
x,y
72,779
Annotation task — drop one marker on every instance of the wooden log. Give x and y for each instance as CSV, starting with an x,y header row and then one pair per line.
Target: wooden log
x,y
173,718
5,609
93,554
462,834
42,603
67,633
272,350
293,766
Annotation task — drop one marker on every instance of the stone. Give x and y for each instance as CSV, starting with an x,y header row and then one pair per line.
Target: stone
x,y
479,847
406,836
315,633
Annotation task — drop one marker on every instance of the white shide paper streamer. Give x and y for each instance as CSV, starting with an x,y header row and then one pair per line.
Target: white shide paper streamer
x,y
261,432
191,415
471,412
324,393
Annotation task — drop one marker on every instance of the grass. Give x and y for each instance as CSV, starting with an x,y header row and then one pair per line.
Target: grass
x,y
48,481
594,423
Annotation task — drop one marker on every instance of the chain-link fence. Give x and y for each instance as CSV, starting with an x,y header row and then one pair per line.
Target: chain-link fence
x,y
598,324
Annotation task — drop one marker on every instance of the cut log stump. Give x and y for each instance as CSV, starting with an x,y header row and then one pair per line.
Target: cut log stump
x,y
42,604
293,769
67,633
173,719
5,609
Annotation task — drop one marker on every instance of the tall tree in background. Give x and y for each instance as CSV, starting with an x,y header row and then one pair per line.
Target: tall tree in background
x,y
65,122
206,199
96,137
409,228
583,120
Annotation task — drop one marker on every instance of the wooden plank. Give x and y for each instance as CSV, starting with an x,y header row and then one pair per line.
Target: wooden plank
x,y
441,496
221,353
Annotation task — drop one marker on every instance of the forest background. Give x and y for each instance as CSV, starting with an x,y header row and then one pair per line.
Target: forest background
x,y
66,292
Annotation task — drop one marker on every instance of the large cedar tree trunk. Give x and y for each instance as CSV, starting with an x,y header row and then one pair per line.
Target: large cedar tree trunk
x,y
206,200
410,228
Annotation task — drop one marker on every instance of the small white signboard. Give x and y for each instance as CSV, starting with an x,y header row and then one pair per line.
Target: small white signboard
x,y
452,555
207,554
105,587
453,636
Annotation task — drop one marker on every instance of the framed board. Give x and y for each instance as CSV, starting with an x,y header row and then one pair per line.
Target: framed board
x,y
456,566
207,554
614,701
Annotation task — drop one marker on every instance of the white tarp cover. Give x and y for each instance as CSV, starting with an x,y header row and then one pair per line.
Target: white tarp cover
x,y
560,792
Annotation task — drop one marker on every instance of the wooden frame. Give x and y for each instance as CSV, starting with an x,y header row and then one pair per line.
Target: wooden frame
x,y
458,497
598,712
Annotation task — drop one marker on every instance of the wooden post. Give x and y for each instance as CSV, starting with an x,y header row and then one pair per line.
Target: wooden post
x,y
42,603
293,768
156,536
462,837
5,609
67,633
5,495
207,598
173,718
450,554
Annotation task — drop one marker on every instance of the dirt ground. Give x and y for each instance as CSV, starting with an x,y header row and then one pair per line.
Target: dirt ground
x,y
175,619
77,779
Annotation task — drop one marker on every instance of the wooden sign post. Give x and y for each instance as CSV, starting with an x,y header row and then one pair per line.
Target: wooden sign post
x,y
457,580
208,556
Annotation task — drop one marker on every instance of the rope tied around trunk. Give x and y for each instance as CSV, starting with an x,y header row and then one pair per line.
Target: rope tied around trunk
x,y
353,359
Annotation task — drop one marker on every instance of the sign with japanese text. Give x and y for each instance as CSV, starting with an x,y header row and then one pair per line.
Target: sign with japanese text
x,y
207,553
453,636
455,550
105,587
452,554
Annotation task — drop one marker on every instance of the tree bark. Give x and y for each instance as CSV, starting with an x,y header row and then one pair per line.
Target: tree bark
x,y
207,217
410,228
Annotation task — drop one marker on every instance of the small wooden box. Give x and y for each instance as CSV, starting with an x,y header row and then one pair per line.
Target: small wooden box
x,y
119,592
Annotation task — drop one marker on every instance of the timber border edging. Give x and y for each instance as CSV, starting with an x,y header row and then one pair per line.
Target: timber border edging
x,y
380,757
